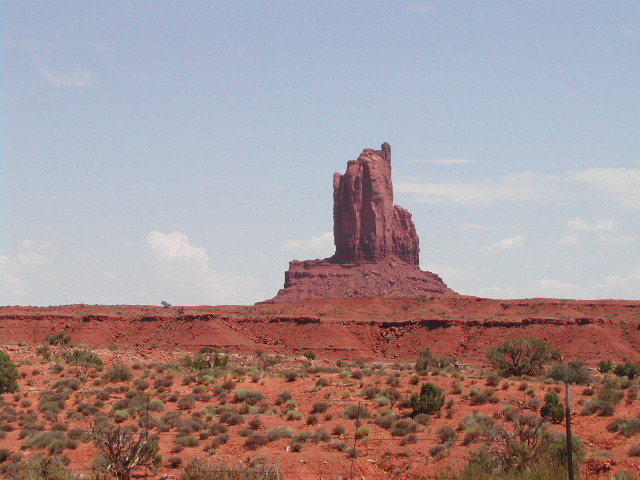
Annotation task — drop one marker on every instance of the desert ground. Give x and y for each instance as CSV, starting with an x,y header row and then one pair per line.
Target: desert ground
x,y
294,374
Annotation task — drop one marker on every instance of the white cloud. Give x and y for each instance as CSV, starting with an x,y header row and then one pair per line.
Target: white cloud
x,y
14,270
523,187
56,64
187,276
621,184
624,286
600,225
447,273
74,76
628,239
176,246
509,243
321,245
573,239
445,161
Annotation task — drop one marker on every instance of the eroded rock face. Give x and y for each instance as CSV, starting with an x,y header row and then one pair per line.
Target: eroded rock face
x,y
377,247
367,226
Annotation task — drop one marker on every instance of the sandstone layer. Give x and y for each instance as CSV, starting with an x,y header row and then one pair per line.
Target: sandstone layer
x,y
377,247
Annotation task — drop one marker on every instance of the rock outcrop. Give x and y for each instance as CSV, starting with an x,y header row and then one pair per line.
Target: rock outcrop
x,y
367,226
377,247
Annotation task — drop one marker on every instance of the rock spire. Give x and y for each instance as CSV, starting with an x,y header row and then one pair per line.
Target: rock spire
x,y
367,226
377,247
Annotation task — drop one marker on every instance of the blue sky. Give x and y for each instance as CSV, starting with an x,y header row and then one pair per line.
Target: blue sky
x,y
184,151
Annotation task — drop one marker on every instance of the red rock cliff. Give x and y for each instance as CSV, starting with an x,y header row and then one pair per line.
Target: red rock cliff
x,y
377,248
367,226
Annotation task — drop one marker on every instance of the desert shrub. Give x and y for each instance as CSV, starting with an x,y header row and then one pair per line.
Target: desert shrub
x,y
575,372
409,439
67,385
447,434
206,358
605,366
429,401
163,383
52,401
290,375
255,440
186,441
323,382
404,426
483,397
310,355
174,462
40,467
553,409
8,374
311,369
54,441
634,450
428,362
628,427
520,356
312,419
385,421
141,384
186,403
320,407
628,369
124,450
438,451
283,397
279,432
493,380
83,361
120,416
250,397
231,418
205,469
291,415
118,373
362,432
60,338
605,402
353,412
522,448
477,425
371,392
339,430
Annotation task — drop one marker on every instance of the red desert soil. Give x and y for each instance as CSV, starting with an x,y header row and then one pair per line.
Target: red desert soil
x,y
369,328
377,336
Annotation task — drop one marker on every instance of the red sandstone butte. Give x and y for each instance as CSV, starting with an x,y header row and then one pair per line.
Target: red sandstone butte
x,y
377,247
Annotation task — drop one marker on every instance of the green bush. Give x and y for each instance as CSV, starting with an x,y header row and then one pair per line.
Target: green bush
x,y
553,409
250,397
428,362
575,372
8,374
118,373
60,338
40,467
520,356
629,369
429,401
355,412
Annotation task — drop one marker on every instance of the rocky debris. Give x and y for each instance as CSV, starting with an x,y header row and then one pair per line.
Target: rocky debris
x,y
377,247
